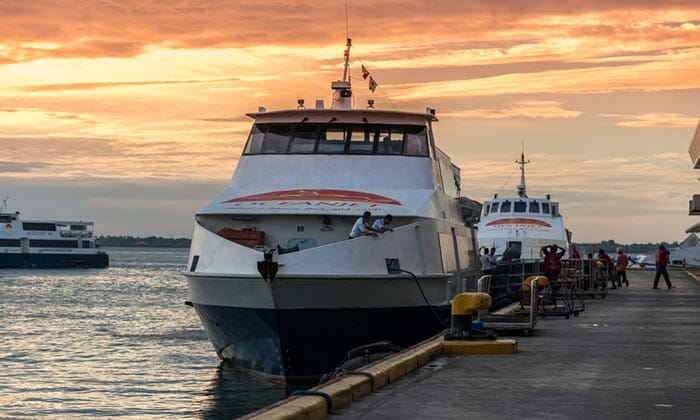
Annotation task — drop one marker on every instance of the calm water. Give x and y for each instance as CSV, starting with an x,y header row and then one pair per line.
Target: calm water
x,y
117,342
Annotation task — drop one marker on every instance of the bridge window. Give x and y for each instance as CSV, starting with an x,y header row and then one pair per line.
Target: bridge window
x,y
337,138
46,227
519,207
545,208
534,207
304,140
494,208
332,141
505,207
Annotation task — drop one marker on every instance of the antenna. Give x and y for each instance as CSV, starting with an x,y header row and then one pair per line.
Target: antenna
x,y
347,25
3,206
522,162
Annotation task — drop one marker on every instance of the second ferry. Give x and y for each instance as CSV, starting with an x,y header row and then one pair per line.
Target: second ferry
x,y
522,224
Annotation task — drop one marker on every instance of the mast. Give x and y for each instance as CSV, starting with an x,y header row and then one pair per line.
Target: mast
x,y
522,162
342,91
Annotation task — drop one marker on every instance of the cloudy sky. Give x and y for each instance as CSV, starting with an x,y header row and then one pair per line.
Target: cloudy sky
x,y
132,113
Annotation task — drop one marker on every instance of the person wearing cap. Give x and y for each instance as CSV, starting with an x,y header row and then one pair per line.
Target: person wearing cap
x,y
661,261
621,268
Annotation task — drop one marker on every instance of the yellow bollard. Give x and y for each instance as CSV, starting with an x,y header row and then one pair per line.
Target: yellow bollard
x,y
463,306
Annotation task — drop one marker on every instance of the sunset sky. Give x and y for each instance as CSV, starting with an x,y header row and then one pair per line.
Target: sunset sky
x,y
132,113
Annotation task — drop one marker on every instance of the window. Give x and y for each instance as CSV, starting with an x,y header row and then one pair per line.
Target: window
x,y
47,227
505,207
534,207
52,243
416,142
255,141
338,138
545,208
390,142
361,141
332,140
9,242
5,219
277,139
554,210
87,244
519,206
304,140
494,208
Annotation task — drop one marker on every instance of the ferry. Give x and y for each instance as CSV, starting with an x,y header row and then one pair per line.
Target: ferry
x,y
278,285
26,243
522,223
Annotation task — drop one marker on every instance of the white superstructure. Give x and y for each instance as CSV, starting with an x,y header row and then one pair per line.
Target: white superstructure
x,y
522,222
305,177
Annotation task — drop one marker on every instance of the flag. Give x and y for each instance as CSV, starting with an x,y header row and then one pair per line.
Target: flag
x,y
372,84
365,73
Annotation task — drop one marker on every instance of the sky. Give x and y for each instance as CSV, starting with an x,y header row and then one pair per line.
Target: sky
x,y
132,113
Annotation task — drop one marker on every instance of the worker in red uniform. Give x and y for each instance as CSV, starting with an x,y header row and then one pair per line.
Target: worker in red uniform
x,y
661,261
621,268
552,267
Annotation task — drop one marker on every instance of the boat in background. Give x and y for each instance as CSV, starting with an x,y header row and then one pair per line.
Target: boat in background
x,y
686,254
522,222
273,276
34,243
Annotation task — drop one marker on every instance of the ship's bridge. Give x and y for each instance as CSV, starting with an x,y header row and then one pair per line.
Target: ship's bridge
x,y
541,207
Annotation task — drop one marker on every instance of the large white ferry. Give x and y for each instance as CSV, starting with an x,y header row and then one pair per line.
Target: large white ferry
x,y
522,222
48,244
304,178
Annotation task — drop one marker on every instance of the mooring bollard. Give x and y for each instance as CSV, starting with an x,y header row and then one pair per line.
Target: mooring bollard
x,y
463,307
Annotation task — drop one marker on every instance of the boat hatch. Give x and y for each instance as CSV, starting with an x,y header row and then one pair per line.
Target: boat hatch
x,y
249,238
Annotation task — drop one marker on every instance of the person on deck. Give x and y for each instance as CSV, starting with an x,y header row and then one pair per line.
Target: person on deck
x,y
621,268
661,261
382,225
362,227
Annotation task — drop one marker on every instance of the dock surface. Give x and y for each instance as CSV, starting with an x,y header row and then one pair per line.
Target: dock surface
x,y
634,354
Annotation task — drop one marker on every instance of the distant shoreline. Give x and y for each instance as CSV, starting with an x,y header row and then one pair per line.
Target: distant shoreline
x,y
139,242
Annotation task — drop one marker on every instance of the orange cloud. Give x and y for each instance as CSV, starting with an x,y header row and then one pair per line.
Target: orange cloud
x,y
529,109
654,120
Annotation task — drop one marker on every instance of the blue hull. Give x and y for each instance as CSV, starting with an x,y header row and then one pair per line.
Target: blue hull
x,y
53,261
304,343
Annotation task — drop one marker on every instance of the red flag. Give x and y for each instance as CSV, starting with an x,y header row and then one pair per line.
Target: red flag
x,y
365,73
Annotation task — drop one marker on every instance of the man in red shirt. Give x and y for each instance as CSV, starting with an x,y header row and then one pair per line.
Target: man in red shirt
x,y
552,267
621,268
661,261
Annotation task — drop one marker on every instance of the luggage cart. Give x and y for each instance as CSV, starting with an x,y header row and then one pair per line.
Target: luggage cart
x,y
598,278
510,322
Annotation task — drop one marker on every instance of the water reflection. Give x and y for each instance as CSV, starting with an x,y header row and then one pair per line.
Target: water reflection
x,y
234,392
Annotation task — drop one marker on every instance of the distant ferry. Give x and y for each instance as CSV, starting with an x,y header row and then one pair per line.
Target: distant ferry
x,y
48,244
522,222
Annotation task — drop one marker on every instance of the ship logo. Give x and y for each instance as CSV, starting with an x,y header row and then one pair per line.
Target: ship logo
x,y
519,221
317,195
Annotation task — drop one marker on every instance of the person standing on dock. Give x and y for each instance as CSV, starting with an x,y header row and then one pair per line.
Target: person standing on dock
x,y
661,261
552,267
487,265
621,268
609,266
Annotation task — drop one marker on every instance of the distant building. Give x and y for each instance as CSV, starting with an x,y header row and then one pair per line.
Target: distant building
x,y
694,152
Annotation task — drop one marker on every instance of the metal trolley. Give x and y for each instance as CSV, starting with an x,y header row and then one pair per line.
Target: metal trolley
x,y
514,321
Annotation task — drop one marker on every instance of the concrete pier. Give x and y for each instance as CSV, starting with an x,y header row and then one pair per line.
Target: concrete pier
x,y
635,354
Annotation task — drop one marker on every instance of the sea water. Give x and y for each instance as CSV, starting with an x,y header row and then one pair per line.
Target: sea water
x,y
115,342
